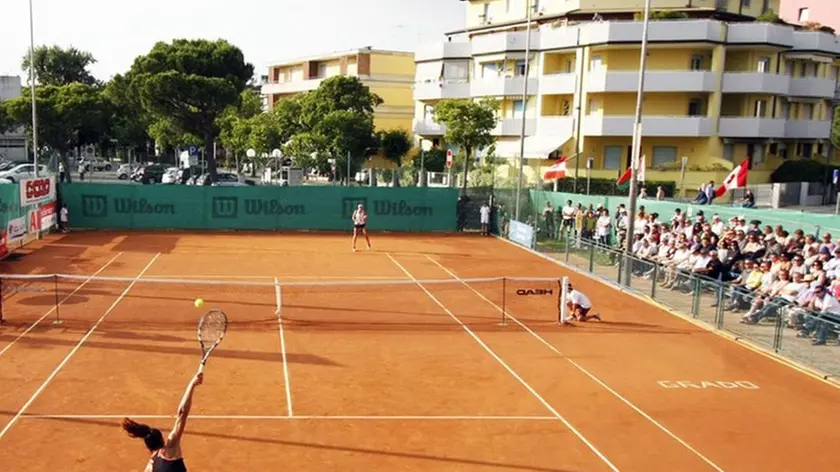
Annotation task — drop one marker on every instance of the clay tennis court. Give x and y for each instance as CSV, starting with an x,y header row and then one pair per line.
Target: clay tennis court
x,y
405,375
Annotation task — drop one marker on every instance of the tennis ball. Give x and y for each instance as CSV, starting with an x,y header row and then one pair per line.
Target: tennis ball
x,y
199,302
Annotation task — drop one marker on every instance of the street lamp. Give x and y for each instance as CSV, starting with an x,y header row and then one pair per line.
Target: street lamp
x,y
425,146
32,88
528,9
637,138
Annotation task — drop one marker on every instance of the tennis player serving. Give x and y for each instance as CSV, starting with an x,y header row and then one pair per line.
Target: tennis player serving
x,y
359,224
166,454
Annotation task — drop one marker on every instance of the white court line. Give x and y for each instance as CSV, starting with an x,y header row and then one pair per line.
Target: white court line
x,y
305,417
281,278
542,400
283,347
51,310
74,350
584,371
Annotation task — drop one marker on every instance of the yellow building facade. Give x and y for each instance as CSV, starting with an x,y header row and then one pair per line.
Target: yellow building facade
x,y
716,92
388,74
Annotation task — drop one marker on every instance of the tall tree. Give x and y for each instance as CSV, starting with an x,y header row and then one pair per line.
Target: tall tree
x,y
69,116
468,125
57,66
6,122
129,122
394,145
190,84
348,138
338,94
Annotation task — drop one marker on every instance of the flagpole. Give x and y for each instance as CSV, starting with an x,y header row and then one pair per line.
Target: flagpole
x,y
636,151
32,89
524,106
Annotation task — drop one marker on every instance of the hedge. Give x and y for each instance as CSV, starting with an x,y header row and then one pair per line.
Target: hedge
x,y
805,170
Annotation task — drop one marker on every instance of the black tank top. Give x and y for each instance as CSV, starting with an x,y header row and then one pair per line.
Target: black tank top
x,y
162,465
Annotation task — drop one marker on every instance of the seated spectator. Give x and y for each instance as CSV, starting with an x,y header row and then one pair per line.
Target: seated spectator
x,y
741,293
826,242
748,201
717,225
832,267
765,300
753,249
826,324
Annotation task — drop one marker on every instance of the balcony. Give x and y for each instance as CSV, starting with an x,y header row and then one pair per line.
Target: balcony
x,y
815,41
662,126
755,82
658,31
759,33
655,81
502,86
441,50
812,87
555,126
503,42
558,38
438,90
428,127
297,86
808,129
752,127
558,84
837,92
513,127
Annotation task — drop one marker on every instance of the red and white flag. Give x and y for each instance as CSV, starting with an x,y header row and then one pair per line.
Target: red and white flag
x,y
556,171
736,179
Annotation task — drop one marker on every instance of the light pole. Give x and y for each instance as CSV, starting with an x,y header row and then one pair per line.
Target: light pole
x,y
637,138
524,105
425,145
32,88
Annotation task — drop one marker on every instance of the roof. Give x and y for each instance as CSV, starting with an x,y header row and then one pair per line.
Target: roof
x,y
337,55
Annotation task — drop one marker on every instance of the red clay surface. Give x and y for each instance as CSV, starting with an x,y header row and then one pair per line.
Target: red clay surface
x,y
393,377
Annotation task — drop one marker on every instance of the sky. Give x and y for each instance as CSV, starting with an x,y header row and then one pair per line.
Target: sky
x,y
117,31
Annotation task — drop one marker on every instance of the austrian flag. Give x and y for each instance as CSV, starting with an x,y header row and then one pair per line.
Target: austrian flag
x,y
736,179
556,171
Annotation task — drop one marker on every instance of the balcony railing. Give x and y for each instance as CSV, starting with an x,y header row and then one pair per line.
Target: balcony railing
x,y
676,126
756,82
751,127
655,81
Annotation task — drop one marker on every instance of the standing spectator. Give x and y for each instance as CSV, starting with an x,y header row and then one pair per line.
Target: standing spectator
x,y
603,227
548,217
83,169
64,219
660,193
484,214
61,173
568,215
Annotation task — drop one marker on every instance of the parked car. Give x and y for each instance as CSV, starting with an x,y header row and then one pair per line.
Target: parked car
x,y
184,175
150,174
125,171
99,164
23,171
170,176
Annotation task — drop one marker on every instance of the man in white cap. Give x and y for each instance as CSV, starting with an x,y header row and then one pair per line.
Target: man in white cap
x,y
579,305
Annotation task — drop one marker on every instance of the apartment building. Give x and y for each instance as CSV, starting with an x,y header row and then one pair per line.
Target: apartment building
x,y
802,12
12,145
389,74
715,92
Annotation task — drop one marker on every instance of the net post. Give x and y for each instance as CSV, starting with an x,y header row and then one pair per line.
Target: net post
x,y
278,296
564,295
57,320
504,301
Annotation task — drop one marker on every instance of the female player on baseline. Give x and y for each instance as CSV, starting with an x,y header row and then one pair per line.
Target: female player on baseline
x,y
359,224
166,454
579,305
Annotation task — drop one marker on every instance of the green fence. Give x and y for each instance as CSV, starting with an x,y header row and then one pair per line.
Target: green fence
x,y
114,206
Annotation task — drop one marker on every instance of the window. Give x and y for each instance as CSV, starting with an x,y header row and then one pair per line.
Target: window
x,y
595,63
612,157
570,67
322,70
489,70
567,107
518,108
428,113
729,152
697,62
785,108
764,64
760,108
663,155
746,3
807,150
803,69
594,106
807,111
695,107
519,71
804,14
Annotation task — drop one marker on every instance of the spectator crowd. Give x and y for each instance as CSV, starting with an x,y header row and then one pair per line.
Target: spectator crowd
x,y
768,272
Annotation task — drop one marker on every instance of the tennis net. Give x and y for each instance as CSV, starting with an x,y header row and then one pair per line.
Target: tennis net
x,y
391,304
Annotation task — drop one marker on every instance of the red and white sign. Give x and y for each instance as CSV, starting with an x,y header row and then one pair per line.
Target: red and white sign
x,y
736,179
47,216
38,190
556,171
34,222
449,158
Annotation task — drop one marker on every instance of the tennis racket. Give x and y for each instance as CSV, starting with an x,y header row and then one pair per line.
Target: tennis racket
x,y
211,330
